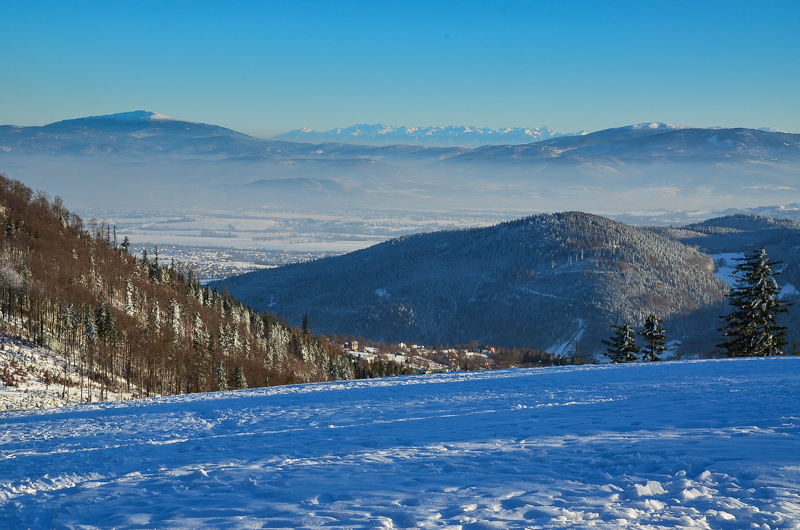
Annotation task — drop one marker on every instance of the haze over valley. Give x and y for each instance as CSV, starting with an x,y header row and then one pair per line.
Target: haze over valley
x,y
168,182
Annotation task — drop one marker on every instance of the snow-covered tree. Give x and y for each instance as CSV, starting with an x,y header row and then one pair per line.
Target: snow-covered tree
x,y
89,326
130,309
154,319
751,327
655,337
175,318
222,376
239,378
622,346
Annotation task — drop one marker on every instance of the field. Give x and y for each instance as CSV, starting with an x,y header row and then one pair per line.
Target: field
x,y
700,444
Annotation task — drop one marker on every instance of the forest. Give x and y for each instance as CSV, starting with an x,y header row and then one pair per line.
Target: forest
x,y
136,323
536,282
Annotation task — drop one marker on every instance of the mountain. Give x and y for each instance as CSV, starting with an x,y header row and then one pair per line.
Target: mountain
x,y
656,142
541,282
463,136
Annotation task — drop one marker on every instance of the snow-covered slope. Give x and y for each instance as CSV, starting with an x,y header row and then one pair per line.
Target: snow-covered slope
x,y
32,377
707,444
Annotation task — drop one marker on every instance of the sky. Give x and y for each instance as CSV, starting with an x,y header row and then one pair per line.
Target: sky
x,y
264,68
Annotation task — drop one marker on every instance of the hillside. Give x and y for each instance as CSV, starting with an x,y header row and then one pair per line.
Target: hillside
x,y
536,282
117,322
701,445
727,238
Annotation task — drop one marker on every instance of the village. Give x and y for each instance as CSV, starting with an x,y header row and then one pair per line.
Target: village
x,y
424,359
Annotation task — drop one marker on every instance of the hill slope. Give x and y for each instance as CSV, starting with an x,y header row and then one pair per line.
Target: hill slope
x,y
121,322
535,282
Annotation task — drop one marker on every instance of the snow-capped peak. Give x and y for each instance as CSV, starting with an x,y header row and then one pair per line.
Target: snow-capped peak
x,y
133,116
658,126
464,135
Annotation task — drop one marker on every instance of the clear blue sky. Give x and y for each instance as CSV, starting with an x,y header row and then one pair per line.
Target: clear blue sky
x,y
267,67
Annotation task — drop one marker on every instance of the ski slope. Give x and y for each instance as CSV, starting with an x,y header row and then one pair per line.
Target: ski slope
x,y
701,444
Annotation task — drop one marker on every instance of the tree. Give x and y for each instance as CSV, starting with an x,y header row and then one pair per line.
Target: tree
x,y
239,379
655,336
222,376
306,325
751,327
622,346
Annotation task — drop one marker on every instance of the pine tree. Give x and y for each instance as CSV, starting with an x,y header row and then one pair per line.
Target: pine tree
x,y
622,346
239,379
306,325
751,326
222,376
655,336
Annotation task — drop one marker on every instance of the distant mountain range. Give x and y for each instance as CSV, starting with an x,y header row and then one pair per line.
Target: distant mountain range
x,y
156,161
463,136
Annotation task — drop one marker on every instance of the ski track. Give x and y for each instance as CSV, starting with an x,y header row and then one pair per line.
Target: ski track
x,y
701,444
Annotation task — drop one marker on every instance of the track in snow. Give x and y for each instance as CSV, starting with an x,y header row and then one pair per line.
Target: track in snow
x,y
706,444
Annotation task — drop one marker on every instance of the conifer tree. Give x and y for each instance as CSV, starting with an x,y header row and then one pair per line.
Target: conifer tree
x,y
306,325
239,379
622,346
751,327
222,376
655,337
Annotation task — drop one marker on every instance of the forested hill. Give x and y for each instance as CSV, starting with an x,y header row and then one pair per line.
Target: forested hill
x,y
534,282
133,322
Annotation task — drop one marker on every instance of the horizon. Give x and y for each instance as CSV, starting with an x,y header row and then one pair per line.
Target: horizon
x,y
159,116
265,69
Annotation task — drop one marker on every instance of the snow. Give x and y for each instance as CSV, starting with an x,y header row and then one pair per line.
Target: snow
x,y
133,116
788,290
567,347
726,265
702,444
382,293
32,367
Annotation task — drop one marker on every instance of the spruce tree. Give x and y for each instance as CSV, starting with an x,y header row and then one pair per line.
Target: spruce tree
x,y
655,337
622,346
239,378
306,327
751,327
222,376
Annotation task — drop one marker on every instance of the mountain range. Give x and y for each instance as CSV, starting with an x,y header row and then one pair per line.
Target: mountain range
x,y
158,162
462,136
